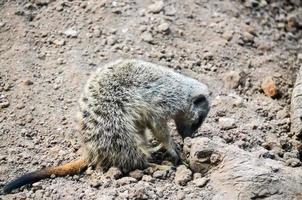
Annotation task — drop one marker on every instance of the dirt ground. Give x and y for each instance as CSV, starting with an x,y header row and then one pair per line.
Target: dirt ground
x,y
48,48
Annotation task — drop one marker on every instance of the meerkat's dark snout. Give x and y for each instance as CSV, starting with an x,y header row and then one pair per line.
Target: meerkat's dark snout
x,y
187,125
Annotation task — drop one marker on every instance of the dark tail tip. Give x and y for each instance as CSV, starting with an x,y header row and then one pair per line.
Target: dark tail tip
x,y
23,180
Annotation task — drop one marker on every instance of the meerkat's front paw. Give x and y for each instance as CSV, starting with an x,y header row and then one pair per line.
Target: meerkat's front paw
x,y
174,153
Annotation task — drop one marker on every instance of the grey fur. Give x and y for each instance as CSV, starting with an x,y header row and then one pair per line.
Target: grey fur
x,y
124,98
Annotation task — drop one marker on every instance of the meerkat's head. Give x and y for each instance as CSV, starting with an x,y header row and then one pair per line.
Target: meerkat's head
x,y
188,121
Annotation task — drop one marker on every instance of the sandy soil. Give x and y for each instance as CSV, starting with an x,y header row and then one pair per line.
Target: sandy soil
x,y
48,48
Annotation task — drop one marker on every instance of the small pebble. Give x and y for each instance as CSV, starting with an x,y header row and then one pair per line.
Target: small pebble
x,y
201,182
269,87
226,123
156,7
183,175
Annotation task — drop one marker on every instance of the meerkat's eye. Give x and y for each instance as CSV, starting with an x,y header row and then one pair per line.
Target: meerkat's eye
x,y
199,99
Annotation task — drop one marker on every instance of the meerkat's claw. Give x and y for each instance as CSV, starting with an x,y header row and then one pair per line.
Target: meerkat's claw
x,y
174,153
157,167
175,156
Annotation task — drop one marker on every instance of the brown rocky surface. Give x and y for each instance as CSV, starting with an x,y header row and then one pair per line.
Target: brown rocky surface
x,y
48,48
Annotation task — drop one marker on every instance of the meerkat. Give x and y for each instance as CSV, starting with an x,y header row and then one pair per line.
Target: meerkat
x,y
120,101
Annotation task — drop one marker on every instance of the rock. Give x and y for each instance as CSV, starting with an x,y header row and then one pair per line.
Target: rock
x,y
71,32
138,193
170,11
282,114
164,27
249,175
201,156
231,100
208,56
226,123
142,12
247,37
76,177
113,173
27,82
227,138
289,155
299,56
292,22
28,118
233,79
197,176
293,162
59,8
156,7
3,157
183,175
148,178
147,37
97,33
137,174
142,28
41,55
59,42
228,35
4,104
117,10
263,45
200,182
37,184
95,184
2,24
269,87
41,2
251,3
250,29
7,87
126,181
111,40
39,194
181,195
161,174
61,61
271,141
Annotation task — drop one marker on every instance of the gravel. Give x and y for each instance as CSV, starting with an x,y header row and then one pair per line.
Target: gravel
x,y
48,49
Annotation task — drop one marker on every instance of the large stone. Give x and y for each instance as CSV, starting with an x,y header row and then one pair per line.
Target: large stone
x,y
183,175
238,174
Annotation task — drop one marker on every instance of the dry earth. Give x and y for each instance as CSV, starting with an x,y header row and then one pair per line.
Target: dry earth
x,y
49,47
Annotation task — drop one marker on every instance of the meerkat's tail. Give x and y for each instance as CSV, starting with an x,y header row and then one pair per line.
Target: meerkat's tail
x,y
70,168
